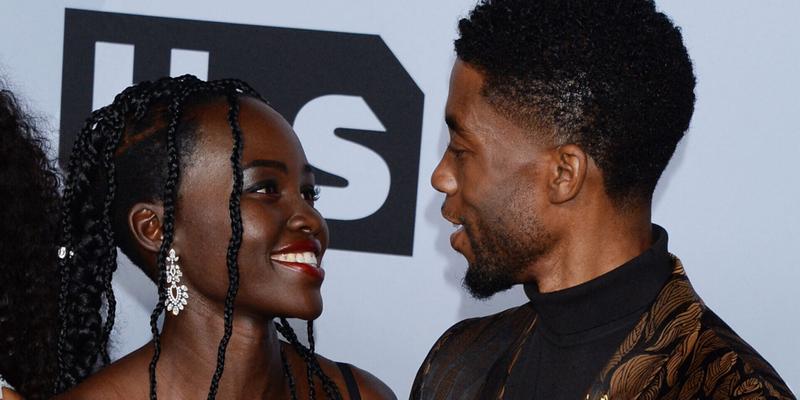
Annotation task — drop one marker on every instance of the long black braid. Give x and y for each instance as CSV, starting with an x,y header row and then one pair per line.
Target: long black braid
x,y
116,125
235,241
287,371
169,199
105,177
331,390
309,372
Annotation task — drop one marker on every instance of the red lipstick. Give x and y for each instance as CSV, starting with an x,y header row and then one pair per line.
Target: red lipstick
x,y
302,256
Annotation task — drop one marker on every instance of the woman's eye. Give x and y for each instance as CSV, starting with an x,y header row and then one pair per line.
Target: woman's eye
x,y
265,188
311,194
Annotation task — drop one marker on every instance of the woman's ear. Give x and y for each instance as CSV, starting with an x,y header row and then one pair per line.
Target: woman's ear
x,y
145,221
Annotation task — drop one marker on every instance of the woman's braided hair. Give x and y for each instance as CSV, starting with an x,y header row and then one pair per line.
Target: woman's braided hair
x,y
128,152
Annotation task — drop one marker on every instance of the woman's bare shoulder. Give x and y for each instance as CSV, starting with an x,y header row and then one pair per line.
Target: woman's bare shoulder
x,y
369,386
126,378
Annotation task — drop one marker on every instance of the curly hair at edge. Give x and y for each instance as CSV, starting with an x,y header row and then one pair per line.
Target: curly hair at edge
x,y
28,296
611,76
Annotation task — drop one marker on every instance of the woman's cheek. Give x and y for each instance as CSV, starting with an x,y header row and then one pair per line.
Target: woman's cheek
x,y
260,229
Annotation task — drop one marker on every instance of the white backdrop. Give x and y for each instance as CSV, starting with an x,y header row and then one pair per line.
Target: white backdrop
x,y
728,199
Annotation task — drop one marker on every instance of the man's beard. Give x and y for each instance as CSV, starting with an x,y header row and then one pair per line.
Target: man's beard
x,y
503,250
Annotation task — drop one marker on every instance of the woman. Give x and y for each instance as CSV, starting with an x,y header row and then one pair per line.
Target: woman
x,y
207,189
28,292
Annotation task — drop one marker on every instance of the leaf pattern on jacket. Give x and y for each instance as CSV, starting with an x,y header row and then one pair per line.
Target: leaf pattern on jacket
x,y
681,350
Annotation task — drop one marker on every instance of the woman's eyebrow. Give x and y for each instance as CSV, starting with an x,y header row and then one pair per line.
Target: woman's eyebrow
x,y
274,164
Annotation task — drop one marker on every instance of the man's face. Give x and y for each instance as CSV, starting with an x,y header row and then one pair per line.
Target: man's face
x,y
494,176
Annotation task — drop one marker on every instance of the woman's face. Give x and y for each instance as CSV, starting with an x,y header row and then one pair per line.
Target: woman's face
x,y
283,236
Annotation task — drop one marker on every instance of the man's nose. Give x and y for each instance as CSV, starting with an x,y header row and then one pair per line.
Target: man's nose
x,y
443,180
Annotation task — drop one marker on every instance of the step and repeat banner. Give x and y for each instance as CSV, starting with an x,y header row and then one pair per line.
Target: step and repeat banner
x,y
364,84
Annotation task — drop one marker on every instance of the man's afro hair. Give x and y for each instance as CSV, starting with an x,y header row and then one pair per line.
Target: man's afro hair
x,y
611,76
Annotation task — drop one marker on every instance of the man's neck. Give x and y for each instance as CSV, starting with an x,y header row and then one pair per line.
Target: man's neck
x,y
596,244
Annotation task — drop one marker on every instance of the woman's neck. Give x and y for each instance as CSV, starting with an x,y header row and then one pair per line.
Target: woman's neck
x,y
189,352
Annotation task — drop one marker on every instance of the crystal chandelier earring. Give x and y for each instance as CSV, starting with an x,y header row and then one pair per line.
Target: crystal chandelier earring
x,y
177,294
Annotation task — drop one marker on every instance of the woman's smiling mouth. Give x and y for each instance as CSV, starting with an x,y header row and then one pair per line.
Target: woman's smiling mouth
x,y
301,256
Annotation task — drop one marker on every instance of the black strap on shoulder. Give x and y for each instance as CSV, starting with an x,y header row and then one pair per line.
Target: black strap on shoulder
x,y
349,380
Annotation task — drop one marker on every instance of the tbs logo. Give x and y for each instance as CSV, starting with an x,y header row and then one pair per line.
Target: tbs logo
x,y
355,108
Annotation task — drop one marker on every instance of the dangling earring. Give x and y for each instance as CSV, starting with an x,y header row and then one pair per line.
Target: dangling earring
x,y
176,295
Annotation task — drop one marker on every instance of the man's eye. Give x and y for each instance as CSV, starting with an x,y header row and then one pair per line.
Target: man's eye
x,y
455,151
311,194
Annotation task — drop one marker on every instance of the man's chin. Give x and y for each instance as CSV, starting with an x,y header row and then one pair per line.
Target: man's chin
x,y
482,285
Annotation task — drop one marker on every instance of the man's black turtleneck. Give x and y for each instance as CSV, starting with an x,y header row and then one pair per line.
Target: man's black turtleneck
x,y
579,328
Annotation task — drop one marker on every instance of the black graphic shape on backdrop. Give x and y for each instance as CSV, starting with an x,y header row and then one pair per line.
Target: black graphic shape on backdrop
x,y
289,67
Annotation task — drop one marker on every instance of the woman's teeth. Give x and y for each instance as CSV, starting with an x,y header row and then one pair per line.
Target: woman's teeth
x,y
303,258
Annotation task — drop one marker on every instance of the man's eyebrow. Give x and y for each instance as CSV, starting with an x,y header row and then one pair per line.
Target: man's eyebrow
x,y
279,165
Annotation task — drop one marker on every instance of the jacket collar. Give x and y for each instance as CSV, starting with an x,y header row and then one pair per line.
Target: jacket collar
x,y
662,339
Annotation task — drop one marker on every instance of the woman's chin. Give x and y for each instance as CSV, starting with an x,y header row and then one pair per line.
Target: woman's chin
x,y
309,311
312,313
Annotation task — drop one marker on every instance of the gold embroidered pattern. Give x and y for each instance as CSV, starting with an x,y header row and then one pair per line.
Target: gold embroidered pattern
x,y
681,350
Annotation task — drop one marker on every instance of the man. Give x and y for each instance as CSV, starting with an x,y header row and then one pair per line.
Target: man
x,y
562,117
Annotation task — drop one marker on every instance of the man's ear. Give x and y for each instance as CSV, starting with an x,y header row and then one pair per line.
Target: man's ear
x,y
568,173
145,221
